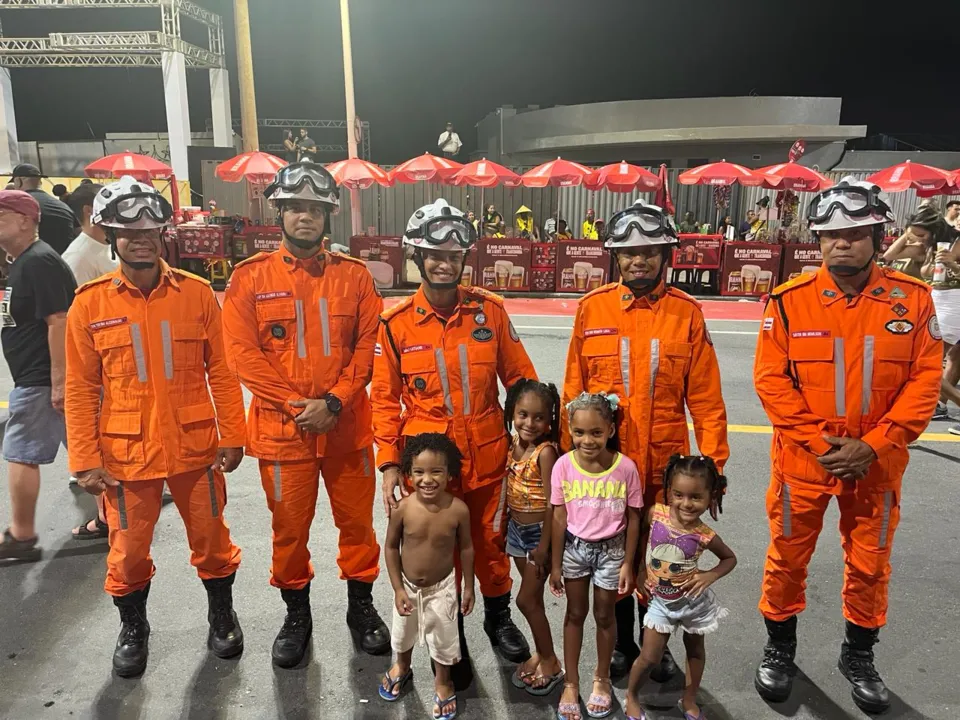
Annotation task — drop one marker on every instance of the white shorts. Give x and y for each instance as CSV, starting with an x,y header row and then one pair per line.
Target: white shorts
x,y
433,621
947,304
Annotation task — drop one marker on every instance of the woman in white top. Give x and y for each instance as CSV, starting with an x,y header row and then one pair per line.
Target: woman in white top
x,y
89,256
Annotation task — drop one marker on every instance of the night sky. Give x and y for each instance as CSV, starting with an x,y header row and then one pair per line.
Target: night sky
x,y
419,63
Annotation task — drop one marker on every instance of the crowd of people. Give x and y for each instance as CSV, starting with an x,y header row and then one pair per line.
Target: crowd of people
x,y
491,224
299,147
590,488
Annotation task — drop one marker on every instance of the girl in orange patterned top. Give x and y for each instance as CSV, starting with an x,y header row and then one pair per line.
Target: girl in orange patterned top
x,y
533,412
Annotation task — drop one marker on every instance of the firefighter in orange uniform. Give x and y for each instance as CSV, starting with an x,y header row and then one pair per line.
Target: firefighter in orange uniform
x,y
848,369
300,326
146,338
439,354
648,344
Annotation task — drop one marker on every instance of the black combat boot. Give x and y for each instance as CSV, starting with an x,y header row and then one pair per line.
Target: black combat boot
x,y
668,666
774,678
130,655
626,651
503,634
856,664
364,621
226,636
294,637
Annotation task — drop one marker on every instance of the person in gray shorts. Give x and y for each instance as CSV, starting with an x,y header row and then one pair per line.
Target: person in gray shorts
x,y
33,311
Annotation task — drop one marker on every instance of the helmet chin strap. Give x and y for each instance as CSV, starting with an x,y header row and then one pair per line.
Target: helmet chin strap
x,y
418,261
115,253
642,286
850,270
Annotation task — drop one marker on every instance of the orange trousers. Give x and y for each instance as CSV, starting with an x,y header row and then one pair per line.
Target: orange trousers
x,y
133,509
868,520
488,530
292,488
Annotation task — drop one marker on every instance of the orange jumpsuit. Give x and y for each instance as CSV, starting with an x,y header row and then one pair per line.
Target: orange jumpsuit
x,y
656,354
436,376
868,368
298,329
156,361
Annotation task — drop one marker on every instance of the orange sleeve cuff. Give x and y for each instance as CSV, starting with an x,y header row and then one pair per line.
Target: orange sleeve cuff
x,y
387,456
818,446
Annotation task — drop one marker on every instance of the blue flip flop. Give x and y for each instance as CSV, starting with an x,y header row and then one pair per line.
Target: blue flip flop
x,y
690,716
440,703
387,693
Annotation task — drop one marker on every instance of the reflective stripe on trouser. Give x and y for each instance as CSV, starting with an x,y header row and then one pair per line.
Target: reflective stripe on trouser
x,y
488,526
212,552
350,483
868,520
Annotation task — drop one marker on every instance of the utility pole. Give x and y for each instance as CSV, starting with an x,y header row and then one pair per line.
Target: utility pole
x,y
248,98
356,219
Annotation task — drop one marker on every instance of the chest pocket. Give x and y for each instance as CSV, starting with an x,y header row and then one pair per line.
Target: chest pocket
x,y
419,369
340,323
116,350
278,324
892,366
675,362
478,374
188,345
601,355
812,360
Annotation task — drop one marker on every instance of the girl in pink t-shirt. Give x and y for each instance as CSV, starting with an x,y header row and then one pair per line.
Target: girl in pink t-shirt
x,y
596,495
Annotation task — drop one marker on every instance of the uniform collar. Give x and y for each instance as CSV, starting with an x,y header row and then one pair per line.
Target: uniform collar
x,y
878,287
167,276
466,302
651,299
292,262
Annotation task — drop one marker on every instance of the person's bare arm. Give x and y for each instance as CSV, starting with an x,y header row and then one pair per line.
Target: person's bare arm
x,y
57,340
541,555
645,516
391,551
700,581
633,538
465,541
893,252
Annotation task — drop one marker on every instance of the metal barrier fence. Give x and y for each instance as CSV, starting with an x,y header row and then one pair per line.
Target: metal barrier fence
x,y
385,211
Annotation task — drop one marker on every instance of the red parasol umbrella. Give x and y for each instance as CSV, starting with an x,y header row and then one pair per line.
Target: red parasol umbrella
x,y
792,176
425,168
623,177
951,188
258,167
556,173
140,167
663,199
908,175
358,174
721,173
485,173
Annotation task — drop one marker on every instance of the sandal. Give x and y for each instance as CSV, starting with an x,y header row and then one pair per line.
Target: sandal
x,y
539,688
441,704
21,550
568,710
85,533
690,716
605,702
387,693
520,677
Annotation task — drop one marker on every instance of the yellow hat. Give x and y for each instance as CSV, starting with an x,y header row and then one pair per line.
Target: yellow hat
x,y
523,209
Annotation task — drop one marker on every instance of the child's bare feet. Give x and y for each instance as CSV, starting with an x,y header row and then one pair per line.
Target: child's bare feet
x,y
548,674
526,670
690,709
445,703
601,699
393,681
633,710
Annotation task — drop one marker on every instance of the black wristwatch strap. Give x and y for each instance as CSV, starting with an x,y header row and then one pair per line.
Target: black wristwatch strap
x,y
334,404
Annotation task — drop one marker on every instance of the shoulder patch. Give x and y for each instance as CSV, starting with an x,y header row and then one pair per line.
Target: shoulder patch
x,y
484,294
391,313
933,327
93,283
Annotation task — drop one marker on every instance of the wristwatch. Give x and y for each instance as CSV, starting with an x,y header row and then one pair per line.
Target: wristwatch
x,y
334,404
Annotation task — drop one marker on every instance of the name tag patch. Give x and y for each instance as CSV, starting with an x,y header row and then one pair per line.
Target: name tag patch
x,y
274,295
592,332
416,348
112,322
810,333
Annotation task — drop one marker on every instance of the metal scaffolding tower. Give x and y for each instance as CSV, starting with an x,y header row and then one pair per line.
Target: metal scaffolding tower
x,y
294,124
149,48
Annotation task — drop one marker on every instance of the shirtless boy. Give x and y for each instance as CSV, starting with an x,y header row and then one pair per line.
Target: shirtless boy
x,y
428,524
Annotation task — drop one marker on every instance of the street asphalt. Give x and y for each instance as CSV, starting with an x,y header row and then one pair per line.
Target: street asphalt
x,y
58,628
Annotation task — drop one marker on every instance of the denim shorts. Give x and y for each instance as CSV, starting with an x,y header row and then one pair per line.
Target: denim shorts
x,y
35,431
697,616
601,560
522,539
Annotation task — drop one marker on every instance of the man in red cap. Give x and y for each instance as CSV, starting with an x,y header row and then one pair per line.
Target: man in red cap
x,y
33,311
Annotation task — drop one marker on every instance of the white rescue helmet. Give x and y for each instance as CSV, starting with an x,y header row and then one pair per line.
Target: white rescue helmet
x,y
440,226
304,181
848,204
130,203
640,225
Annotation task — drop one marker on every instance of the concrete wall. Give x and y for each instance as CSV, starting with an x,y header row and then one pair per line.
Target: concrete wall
x,y
860,160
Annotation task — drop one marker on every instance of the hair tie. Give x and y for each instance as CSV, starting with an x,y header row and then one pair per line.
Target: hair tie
x,y
612,399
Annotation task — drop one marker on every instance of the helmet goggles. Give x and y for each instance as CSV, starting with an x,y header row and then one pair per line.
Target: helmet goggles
x,y
649,221
854,201
293,178
442,229
131,208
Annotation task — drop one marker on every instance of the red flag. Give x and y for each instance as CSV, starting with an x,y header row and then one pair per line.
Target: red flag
x,y
797,150
663,199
